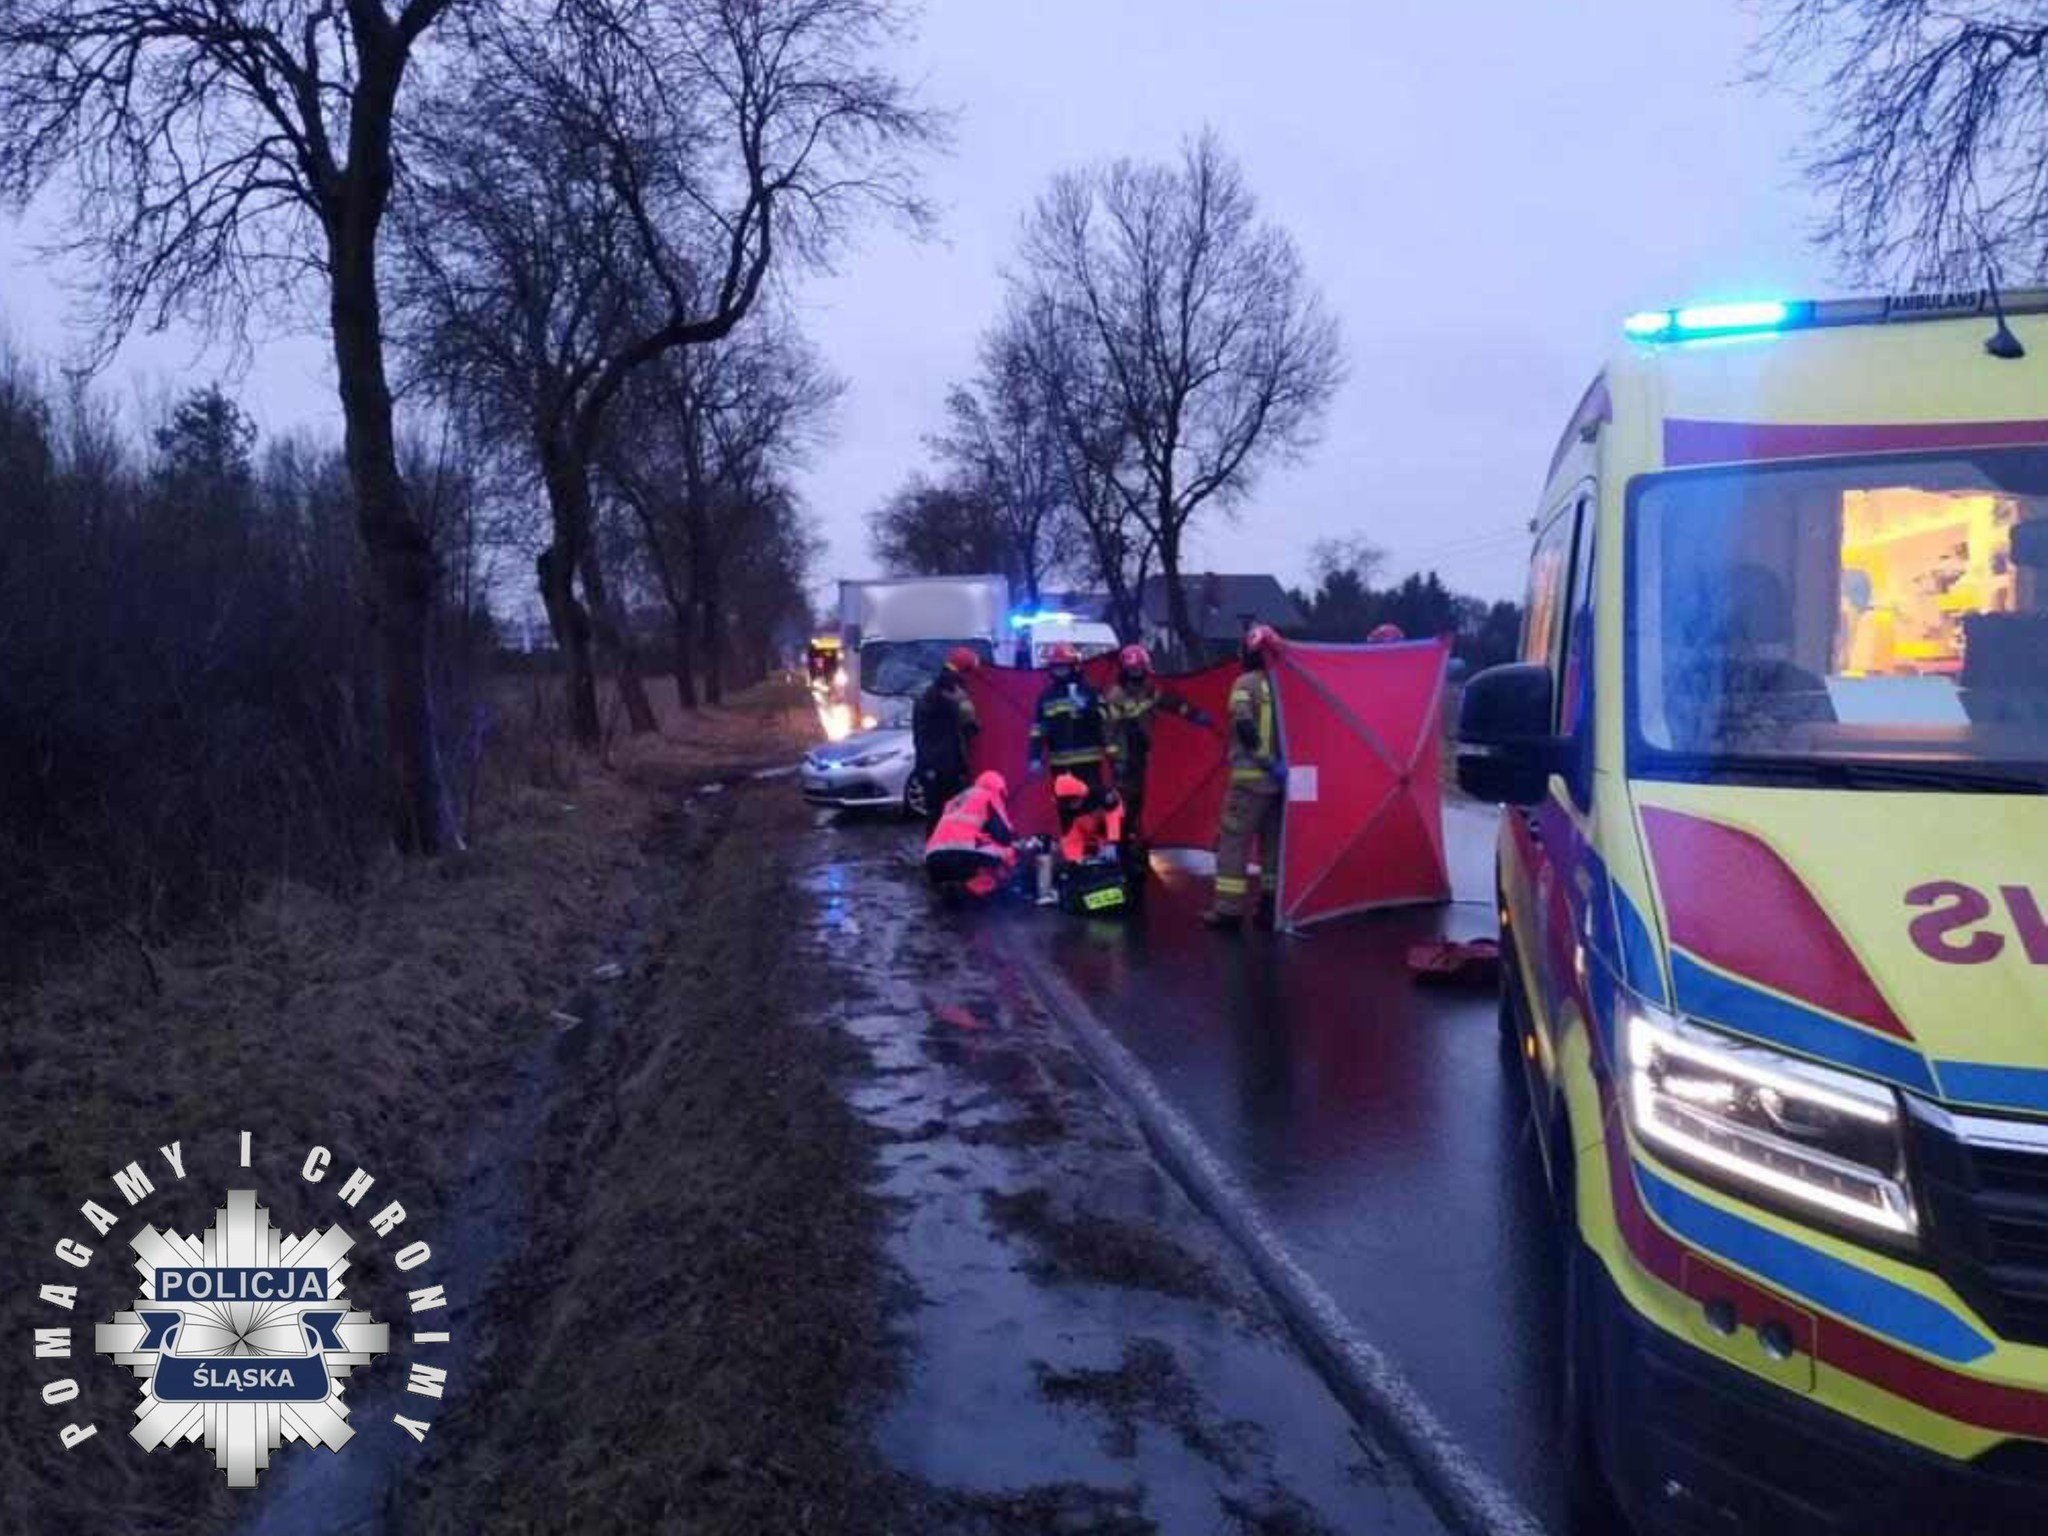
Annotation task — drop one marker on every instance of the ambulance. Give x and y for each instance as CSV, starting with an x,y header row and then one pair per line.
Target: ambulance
x,y
1773,896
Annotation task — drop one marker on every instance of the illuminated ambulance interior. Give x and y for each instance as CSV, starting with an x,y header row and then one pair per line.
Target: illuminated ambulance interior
x,y
1863,610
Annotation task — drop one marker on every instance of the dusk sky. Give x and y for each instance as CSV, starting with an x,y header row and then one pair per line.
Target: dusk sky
x,y
1482,189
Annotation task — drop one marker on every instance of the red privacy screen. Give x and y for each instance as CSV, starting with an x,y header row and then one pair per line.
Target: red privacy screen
x,y
1362,727
1184,779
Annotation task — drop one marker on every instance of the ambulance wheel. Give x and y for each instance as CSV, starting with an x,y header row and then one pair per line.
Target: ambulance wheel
x,y
913,799
1590,1502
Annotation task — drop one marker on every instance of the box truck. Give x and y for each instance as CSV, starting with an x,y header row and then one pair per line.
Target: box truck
x,y
895,633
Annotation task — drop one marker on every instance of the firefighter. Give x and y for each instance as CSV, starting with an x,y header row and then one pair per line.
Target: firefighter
x,y
1386,634
1130,705
1068,730
1258,780
942,725
972,849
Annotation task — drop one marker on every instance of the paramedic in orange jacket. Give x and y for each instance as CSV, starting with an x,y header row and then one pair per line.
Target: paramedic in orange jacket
x,y
973,849
1093,819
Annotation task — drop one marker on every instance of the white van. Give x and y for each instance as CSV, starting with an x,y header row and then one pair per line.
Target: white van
x,y
1038,635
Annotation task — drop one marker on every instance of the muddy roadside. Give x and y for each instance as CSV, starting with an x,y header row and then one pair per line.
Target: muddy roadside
x,y
423,1031
775,1203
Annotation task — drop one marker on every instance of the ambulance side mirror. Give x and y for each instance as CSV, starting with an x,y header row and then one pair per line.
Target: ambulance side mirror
x,y
1506,750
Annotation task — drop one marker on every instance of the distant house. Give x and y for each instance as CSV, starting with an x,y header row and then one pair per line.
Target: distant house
x,y
1220,608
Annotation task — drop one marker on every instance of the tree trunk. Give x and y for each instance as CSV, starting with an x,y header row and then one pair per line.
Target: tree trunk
x,y
707,593
1177,598
712,631
569,508
616,639
686,670
400,552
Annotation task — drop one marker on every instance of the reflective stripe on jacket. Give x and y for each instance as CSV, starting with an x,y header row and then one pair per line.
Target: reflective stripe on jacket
x,y
1067,726
1251,703
1130,711
973,819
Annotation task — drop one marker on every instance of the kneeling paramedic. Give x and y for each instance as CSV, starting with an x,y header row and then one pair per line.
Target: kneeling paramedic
x,y
1092,875
942,725
1131,704
1258,783
1067,728
972,850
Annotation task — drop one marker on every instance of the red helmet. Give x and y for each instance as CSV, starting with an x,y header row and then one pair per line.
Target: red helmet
x,y
1063,654
1261,638
1068,787
1386,634
1135,658
994,783
962,660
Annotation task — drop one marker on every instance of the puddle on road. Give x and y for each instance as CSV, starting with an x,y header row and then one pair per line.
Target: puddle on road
x,y
1083,1351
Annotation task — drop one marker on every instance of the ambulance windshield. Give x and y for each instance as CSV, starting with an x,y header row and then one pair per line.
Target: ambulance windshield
x,y
1879,622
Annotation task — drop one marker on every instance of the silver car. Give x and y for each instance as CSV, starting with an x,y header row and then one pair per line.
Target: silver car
x,y
869,770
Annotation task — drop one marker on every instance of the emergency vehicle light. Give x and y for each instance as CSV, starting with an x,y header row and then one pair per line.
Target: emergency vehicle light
x,y
1044,616
1691,320
1756,317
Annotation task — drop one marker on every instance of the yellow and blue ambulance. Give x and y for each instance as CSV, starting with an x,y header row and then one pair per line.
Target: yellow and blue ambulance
x,y
1773,888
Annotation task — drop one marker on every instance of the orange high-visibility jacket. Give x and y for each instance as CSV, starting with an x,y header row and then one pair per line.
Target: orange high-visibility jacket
x,y
974,820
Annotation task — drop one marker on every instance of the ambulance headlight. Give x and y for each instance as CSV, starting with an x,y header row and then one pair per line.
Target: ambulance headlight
x,y
1786,1132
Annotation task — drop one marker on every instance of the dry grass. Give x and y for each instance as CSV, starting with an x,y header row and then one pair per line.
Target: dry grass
x,y
700,1310
763,727
386,1028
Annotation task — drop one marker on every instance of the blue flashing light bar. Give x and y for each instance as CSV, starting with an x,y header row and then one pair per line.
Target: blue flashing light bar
x,y
1044,616
1747,317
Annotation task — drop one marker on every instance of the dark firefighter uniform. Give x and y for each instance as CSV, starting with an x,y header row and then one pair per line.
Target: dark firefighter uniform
x,y
942,724
1131,708
1068,731
1251,808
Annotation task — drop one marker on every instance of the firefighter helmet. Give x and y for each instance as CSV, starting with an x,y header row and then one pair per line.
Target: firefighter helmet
x,y
1260,639
1135,658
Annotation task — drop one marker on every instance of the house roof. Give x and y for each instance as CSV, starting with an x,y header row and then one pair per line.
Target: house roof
x,y
1220,606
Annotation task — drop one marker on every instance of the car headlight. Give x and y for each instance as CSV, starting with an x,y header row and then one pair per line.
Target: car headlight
x,y
1788,1131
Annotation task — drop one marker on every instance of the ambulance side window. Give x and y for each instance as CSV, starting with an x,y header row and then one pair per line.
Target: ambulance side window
x,y
1543,621
1575,684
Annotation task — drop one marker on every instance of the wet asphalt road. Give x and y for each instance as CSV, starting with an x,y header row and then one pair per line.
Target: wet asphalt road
x,y
1373,1122
1085,1351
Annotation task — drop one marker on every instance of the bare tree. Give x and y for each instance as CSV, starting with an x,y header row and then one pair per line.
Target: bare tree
x,y
1002,443
1214,353
1352,555
1934,131
929,528
1093,447
617,183
221,155
700,451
